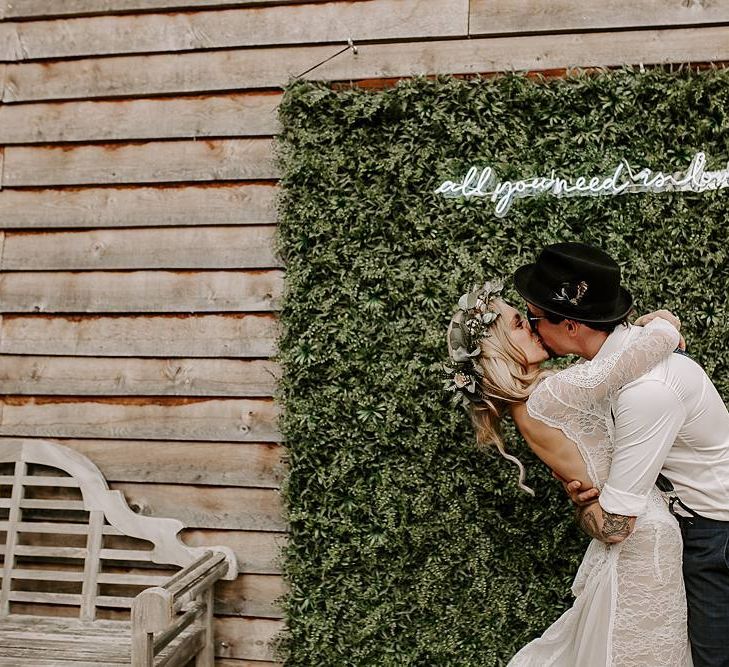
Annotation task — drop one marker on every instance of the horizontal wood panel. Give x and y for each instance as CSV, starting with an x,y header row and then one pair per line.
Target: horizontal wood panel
x,y
209,204
237,420
244,247
41,8
140,336
164,118
246,638
256,552
260,68
331,22
150,162
127,376
207,507
215,464
489,17
140,291
250,595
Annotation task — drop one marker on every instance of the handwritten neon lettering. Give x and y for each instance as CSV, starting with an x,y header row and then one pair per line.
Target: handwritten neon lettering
x,y
624,180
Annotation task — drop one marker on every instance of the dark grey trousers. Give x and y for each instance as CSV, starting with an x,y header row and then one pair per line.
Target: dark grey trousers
x,y
706,575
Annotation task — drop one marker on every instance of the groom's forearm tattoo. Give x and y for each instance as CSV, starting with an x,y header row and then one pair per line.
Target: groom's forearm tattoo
x,y
587,522
613,525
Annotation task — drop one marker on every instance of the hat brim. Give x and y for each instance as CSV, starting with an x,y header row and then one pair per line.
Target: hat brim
x,y
523,285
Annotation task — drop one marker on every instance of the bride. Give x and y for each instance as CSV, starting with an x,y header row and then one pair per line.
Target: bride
x,y
630,603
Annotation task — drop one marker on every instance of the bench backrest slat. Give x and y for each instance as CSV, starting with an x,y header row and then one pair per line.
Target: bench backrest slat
x,y
11,536
91,566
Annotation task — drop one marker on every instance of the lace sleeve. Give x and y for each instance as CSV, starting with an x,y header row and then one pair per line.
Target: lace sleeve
x,y
605,376
577,399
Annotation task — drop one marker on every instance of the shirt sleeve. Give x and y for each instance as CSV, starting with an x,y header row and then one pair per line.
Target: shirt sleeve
x,y
648,416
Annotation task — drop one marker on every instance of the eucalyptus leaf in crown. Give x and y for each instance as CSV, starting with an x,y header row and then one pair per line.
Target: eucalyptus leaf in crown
x,y
469,325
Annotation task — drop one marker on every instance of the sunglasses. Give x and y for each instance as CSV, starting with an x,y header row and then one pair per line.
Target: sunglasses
x,y
533,319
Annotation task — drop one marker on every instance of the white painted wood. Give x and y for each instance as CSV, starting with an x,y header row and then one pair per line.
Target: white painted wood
x,y
89,591
141,291
50,552
241,247
150,162
175,418
43,8
488,17
162,533
120,76
45,598
11,537
140,336
331,22
230,115
74,505
207,655
78,575
209,204
128,376
54,527
41,480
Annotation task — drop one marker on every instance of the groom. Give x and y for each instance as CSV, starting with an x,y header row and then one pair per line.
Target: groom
x,y
671,421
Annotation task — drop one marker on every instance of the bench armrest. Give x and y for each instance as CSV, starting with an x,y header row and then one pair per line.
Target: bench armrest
x,y
153,610
156,609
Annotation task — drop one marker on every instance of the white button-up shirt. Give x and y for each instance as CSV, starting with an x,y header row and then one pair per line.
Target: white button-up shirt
x,y
671,420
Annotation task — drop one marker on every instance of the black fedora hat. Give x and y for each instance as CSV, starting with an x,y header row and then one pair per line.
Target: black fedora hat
x,y
577,281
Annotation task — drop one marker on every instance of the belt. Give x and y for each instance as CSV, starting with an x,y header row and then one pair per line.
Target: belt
x,y
701,522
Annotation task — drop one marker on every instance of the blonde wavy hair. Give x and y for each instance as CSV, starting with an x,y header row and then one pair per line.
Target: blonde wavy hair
x,y
504,378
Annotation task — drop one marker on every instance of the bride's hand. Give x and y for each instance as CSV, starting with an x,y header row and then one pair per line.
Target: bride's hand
x,y
666,315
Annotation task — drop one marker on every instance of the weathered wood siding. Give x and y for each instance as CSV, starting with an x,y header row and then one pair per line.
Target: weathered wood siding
x,y
139,286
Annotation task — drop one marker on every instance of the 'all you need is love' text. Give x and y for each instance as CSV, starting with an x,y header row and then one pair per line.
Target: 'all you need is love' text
x,y
485,183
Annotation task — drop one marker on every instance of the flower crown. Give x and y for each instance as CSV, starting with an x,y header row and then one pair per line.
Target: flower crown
x,y
468,327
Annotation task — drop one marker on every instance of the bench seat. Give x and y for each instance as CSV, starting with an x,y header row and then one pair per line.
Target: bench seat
x,y
61,642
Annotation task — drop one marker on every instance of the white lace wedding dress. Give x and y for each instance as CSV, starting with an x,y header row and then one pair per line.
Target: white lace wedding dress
x,y
630,606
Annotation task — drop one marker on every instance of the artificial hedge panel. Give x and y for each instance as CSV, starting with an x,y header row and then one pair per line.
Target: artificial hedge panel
x,y
408,545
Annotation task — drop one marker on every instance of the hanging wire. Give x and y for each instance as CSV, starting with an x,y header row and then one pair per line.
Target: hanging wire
x,y
350,46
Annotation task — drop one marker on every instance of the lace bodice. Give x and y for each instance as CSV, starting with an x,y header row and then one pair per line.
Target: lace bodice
x,y
577,400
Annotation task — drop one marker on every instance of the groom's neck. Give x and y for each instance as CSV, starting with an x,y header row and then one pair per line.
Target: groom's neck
x,y
590,342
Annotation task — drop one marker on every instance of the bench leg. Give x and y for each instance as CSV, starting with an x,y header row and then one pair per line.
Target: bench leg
x,y
142,649
206,657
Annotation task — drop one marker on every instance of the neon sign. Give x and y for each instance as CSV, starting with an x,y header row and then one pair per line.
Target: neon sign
x,y
623,180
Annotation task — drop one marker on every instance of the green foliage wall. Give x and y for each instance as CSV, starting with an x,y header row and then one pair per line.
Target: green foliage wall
x,y
408,545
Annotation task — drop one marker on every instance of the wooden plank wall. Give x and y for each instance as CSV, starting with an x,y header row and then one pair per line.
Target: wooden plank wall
x,y
139,289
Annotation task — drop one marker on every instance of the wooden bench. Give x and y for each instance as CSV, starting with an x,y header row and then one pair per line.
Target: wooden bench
x,y
86,581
